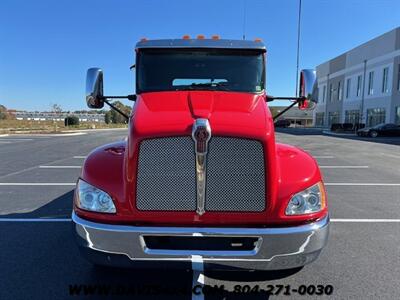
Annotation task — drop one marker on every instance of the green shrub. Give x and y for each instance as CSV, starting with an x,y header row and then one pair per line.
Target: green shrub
x,y
71,120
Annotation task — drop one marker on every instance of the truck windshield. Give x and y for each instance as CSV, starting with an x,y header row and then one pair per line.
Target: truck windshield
x,y
200,69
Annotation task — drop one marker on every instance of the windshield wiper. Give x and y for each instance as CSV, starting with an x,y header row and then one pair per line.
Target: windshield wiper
x,y
205,86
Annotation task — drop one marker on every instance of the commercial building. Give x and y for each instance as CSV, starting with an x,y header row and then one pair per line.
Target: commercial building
x,y
297,117
52,116
361,85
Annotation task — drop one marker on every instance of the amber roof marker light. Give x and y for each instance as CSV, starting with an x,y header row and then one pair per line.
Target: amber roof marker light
x,y
186,37
215,37
201,37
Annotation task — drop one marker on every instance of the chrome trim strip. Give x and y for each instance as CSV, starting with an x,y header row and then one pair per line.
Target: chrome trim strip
x,y
201,43
202,252
199,231
280,248
201,134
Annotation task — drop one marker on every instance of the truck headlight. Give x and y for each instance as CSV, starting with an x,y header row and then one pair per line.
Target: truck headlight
x,y
91,198
310,200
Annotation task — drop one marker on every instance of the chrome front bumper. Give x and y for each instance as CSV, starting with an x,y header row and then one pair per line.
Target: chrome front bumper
x,y
276,248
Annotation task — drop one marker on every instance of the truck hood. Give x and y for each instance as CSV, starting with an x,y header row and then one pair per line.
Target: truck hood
x,y
173,113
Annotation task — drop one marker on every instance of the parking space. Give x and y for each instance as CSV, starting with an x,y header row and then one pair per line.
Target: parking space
x,y
39,257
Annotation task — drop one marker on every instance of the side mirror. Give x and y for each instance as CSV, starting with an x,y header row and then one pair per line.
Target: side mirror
x,y
94,88
308,89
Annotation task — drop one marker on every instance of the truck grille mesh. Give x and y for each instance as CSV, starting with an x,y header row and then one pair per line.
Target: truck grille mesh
x,y
166,178
235,175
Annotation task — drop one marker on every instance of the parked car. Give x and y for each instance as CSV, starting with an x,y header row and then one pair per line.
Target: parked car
x,y
200,173
380,130
282,123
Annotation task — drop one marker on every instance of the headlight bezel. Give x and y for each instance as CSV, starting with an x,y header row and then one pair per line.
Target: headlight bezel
x,y
315,193
101,201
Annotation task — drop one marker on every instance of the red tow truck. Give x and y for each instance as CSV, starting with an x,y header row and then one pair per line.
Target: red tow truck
x,y
200,175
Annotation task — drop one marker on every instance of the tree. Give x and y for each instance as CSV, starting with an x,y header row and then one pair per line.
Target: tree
x,y
107,117
56,108
3,112
114,116
71,120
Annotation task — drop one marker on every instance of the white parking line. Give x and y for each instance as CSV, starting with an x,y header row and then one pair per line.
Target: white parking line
x,y
73,183
197,261
198,277
323,156
79,156
366,220
344,167
37,183
60,167
390,155
360,184
12,139
5,142
34,220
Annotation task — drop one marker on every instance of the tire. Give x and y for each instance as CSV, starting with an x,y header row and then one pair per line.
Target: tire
x,y
373,134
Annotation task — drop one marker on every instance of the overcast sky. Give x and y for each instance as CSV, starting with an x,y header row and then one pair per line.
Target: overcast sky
x,y
46,46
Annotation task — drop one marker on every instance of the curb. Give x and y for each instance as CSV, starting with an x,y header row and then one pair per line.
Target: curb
x,y
46,134
94,130
63,134
338,134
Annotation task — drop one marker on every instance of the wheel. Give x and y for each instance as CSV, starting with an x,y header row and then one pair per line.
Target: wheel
x,y
373,134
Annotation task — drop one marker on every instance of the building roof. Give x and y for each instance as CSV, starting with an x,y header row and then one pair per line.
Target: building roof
x,y
201,43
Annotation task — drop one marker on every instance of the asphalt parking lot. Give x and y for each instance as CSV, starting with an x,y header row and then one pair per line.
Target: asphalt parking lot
x,y
39,259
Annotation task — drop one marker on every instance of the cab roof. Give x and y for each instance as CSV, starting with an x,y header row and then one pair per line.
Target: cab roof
x,y
201,43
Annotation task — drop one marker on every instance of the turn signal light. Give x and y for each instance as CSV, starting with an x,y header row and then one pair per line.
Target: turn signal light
x,y
200,37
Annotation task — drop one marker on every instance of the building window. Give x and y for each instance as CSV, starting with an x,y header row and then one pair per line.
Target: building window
x,y
348,85
333,117
359,79
371,83
375,116
385,88
352,116
319,119
330,92
398,78
340,91
397,116
324,94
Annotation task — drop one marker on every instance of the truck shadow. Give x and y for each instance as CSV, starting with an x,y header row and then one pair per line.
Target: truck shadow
x,y
60,207
143,283
178,284
162,282
248,276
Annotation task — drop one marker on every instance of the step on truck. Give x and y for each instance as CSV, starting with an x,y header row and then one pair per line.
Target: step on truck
x,y
200,175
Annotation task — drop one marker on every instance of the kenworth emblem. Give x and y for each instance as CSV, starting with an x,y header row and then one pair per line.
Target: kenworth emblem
x,y
201,134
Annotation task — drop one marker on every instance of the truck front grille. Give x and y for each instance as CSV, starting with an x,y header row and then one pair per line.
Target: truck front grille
x,y
235,175
166,177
